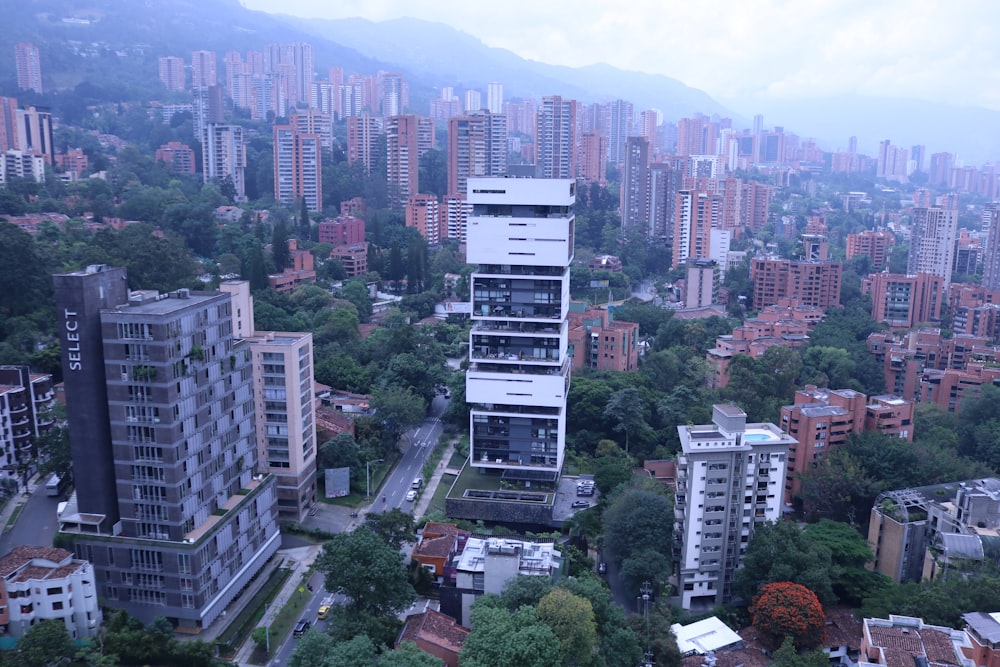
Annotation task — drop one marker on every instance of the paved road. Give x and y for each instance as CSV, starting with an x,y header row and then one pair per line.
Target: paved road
x,y
644,291
419,443
37,523
287,648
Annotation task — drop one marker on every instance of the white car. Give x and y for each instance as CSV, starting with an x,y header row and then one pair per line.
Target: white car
x,y
411,495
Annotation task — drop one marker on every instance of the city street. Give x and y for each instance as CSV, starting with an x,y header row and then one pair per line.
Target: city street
x,y
419,443
287,647
37,523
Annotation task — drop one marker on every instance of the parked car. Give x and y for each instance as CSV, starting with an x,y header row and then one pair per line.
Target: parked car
x,y
580,503
300,628
411,495
602,568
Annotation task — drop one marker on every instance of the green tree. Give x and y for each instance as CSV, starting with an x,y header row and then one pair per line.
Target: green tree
x,y
396,527
53,446
398,408
45,643
638,531
408,655
849,552
280,254
789,656
356,652
312,649
368,571
22,273
837,488
654,634
828,367
500,637
627,410
571,619
356,292
780,552
343,452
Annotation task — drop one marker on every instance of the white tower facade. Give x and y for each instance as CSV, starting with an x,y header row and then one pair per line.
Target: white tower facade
x,y
520,234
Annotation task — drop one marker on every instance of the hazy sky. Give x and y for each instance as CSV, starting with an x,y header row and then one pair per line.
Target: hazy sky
x,y
941,50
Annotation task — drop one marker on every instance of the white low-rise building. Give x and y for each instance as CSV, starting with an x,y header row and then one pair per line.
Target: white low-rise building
x,y
486,564
45,583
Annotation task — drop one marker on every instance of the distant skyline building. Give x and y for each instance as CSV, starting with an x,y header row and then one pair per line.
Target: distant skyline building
x,y
423,214
592,166
473,101
696,214
635,184
991,259
203,69
363,133
171,72
298,167
477,147
494,97
392,94
224,157
555,138
620,129
29,67
402,158
932,242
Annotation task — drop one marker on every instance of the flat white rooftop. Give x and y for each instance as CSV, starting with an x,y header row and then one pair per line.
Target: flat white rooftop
x,y
703,636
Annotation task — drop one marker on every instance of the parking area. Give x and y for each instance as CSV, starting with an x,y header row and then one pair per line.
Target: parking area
x,y
568,495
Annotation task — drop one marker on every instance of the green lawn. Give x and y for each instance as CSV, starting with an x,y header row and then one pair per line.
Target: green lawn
x,y
472,479
13,517
288,615
246,621
441,494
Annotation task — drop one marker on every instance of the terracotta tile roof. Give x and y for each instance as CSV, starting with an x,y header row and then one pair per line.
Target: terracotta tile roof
x,y
433,627
435,547
901,645
20,556
843,629
436,529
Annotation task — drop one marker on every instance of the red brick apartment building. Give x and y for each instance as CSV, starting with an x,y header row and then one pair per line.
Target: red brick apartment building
x,y
875,244
597,341
301,272
814,283
823,419
346,229
901,301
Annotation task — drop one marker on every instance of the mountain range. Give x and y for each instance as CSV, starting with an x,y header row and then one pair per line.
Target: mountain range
x,y
122,40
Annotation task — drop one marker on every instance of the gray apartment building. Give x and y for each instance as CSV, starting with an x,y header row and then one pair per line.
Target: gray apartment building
x,y
170,506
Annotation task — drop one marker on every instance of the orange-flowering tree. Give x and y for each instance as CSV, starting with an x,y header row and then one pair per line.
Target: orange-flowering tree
x,y
784,609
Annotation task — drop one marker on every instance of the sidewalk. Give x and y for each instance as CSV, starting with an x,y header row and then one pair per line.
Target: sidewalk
x,y
430,488
16,501
300,559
